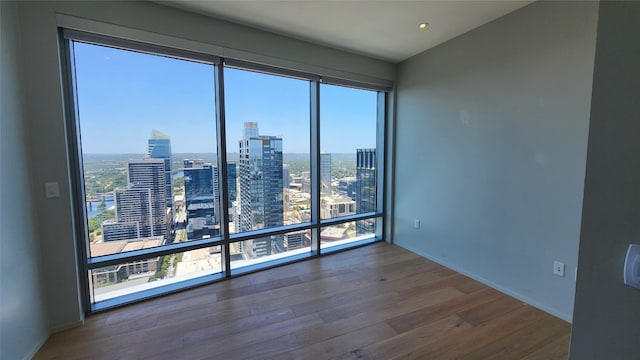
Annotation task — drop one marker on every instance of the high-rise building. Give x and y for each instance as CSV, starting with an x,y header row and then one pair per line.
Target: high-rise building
x,y
325,174
286,176
112,230
261,188
199,190
150,174
140,209
306,181
134,217
347,187
232,178
231,183
159,147
193,163
365,189
216,190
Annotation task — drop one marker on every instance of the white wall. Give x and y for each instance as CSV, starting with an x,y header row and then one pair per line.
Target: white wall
x,y
607,313
491,150
23,322
46,119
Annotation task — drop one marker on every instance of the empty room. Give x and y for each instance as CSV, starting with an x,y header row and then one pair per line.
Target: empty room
x,y
319,179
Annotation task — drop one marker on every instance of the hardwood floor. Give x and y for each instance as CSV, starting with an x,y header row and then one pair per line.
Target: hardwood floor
x,y
376,302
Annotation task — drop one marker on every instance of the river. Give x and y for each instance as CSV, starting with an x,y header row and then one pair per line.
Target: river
x,y
92,206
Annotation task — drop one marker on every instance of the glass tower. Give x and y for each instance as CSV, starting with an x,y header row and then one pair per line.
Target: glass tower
x,y
199,190
261,188
159,147
325,174
231,183
232,177
365,189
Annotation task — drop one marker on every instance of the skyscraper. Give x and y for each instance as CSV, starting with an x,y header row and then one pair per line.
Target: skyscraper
x,y
325,174
365,189
202,209
261,187
286,176
159,147
199,190
347,187
232,178
133,215
231,183
150,174
141,210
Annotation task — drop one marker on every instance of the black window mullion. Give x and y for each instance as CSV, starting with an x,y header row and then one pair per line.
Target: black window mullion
x,y
381,142
223,187
76,167
314,94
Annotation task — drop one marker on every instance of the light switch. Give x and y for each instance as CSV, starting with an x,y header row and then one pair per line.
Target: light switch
x,y
632,266
51,190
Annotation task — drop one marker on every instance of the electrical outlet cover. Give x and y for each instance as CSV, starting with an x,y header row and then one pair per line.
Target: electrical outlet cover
x,y
632,266
558,268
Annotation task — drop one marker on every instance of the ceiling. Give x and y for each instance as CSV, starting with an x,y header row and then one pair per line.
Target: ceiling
x,y
383,29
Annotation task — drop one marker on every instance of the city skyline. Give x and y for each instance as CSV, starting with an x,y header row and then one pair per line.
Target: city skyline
x,y
126,95
155,179
120,89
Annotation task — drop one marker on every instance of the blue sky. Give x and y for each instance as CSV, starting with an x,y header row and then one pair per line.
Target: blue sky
x,y
123,95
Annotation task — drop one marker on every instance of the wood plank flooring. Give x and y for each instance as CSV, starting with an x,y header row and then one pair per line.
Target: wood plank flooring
x,y
375,302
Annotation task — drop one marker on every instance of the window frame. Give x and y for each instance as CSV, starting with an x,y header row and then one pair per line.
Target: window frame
x,y
72,120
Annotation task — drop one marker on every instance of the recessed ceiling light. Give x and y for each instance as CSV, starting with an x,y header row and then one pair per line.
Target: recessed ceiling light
x,y
423,25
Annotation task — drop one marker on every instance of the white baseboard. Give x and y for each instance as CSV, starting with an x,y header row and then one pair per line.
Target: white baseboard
x,y
44,339
36,347
67,326
559,314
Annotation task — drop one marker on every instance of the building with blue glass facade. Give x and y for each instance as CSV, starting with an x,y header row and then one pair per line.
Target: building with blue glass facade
x,y
261,188
159,147
325,174
199,190
365,189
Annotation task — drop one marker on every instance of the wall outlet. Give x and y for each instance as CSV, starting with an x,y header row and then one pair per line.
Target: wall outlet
x,y
558,268
416,224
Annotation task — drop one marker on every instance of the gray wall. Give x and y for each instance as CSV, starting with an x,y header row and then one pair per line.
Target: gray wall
x,y
23,326
45,118
607,313
491,150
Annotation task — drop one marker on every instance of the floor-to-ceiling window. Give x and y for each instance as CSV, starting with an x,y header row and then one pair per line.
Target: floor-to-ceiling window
x,y
190,168
268,138
348,163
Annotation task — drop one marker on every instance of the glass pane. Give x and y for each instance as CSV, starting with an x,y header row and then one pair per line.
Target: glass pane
x,y
347,233
268,248
347,168
135,276
267,124
147,128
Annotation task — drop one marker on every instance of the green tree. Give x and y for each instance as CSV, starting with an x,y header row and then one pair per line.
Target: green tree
x,y
95,222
